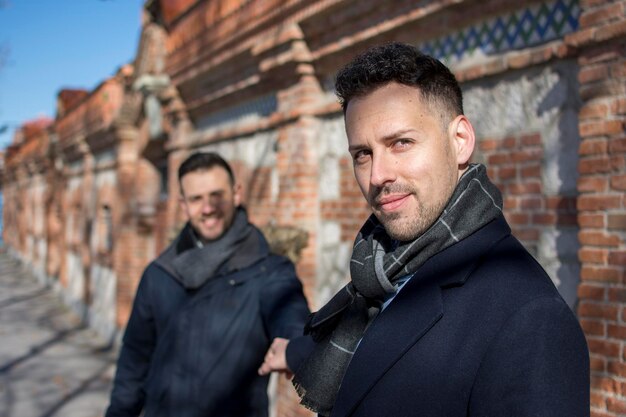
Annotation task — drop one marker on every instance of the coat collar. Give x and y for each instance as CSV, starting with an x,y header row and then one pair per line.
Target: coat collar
x,y
413,312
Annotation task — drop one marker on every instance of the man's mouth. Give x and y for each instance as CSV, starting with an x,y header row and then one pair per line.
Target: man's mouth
x,y
210,221
391,202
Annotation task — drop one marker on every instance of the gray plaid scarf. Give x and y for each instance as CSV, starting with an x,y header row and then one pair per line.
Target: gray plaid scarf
x,y
377,263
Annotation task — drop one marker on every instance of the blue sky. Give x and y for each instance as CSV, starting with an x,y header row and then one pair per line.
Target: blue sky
x,y
47,45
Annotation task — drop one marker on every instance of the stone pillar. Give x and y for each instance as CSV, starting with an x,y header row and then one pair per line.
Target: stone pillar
x,y
129,250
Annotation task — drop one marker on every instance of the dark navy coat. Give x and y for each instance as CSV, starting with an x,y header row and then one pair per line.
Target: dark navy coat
x,y
479,331
196,353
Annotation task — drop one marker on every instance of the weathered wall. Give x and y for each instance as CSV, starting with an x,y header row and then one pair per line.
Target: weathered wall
x,y
601,43
526,123
544,87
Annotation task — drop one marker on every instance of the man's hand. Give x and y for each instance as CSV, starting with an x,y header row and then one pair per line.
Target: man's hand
x,y
275,359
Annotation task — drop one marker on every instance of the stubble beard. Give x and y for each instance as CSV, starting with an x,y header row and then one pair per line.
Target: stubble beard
x,y
406,227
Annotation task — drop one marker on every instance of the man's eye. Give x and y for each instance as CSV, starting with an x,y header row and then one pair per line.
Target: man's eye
x,y
360,157
402,143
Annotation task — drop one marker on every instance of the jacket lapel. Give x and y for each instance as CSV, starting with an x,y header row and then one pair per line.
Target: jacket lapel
x,y
399,326
414,311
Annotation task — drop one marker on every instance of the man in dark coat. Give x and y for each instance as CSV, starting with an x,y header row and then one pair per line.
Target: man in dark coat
x,y
446,313
206,310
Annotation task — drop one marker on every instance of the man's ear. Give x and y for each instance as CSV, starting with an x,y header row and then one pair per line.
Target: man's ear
x,y
182,203
464,138
238,194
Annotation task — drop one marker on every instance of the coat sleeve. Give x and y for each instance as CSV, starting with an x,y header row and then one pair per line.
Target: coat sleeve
x,y
537,365
128,396
283,306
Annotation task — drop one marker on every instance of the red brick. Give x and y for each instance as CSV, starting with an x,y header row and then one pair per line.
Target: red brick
x,y
593,255
602,127
591,220
593,73
548,51
597,363
618,106
580,38
600,274
604,383
593,327
506,173
566,219
597,165
607,52
527,155
598,400
598,310
616,405
618,162
593,184
616,222
529,140
544,219
509,142
519,59
598,202
617,258
594,110
562,203
510,203
618,182
593,147
526,235
605,13
530,202
531,171
517,218
617,294
602,89
604,347
615,331
618,70
611,31
500,158
488,145
617,145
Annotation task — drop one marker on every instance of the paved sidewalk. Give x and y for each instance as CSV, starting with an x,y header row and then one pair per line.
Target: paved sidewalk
x,y
50,364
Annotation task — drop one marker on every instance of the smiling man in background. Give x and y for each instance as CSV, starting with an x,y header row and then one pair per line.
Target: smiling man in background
x,y
206,309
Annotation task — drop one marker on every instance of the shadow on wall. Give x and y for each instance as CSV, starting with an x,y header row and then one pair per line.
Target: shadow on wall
x,y
541,102
561,155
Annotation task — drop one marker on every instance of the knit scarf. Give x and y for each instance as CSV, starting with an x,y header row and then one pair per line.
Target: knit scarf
x,y
377,263
239,247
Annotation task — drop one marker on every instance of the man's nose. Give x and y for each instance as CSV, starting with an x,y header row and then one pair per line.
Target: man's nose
x,y
383,169
208,206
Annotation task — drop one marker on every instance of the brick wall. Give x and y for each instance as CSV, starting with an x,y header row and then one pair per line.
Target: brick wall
x,y
544,85
601,204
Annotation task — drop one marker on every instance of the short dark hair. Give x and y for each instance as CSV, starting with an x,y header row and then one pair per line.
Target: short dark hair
x,y
201,161
403,64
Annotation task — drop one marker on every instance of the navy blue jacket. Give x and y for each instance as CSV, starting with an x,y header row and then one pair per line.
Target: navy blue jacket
x,y
196,353
479,331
